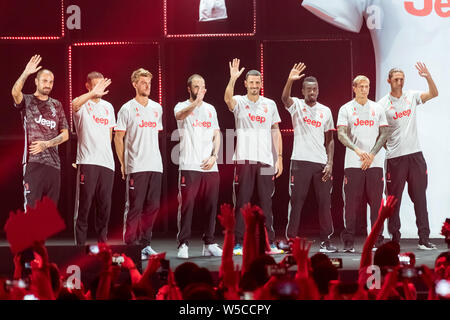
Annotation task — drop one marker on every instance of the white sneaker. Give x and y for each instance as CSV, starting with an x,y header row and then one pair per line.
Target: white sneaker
x,y
147,252
274,250
212,250
183,251
426,246
237,251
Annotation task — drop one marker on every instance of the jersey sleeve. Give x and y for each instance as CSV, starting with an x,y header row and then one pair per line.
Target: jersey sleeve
x,y
25,101
416,96
62,121
275,116
384,103
237,107
179,106
342,117
215,120
345,14
293,107
122,119
382,118
160,124
112,116
329,123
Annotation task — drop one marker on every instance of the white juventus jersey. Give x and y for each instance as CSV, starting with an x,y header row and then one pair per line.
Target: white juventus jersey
x,y
196,135
210,10
310,125
363,124
404,32
93,122
401,116
254,121
141,146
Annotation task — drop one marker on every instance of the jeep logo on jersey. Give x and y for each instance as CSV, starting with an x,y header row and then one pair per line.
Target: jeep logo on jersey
x,y
205,124
368,123
103,121
405,113
48,123
256,118
147,124
427,8
313,123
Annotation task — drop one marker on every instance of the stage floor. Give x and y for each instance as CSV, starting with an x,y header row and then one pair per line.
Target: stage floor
x,y
350,260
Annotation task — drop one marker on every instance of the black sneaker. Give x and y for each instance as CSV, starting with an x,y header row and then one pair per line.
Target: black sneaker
x,y
326,246
426,245
348,247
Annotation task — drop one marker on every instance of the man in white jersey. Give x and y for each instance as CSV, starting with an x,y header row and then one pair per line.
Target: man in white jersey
x,y
257,132
311,162
199,176
94,121
405,161
363,129
402,31
136,140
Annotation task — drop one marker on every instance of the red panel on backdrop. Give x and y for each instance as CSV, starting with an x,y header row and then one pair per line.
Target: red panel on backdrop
x,y
24,19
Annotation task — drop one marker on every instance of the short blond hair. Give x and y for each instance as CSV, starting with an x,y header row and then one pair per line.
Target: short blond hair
x,y
141,72
359,79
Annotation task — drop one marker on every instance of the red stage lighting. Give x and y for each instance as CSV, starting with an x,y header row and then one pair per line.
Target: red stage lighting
x,y
261,61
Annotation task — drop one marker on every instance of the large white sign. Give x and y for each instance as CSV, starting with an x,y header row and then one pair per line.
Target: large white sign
x,y
404,32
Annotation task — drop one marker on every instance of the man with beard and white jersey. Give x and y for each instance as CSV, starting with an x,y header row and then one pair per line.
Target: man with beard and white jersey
x,y
311,161
45,127
199,176
404,158
136,140
94,121
402,31
257,132
363,129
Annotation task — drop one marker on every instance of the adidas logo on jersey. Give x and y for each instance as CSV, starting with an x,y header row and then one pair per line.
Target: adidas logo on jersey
x,y
257,118
205,124
147,124
313,123
405,113
103,121
48,123
368,123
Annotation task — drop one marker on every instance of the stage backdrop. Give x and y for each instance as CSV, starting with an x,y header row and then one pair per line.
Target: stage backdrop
x,y
165,37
